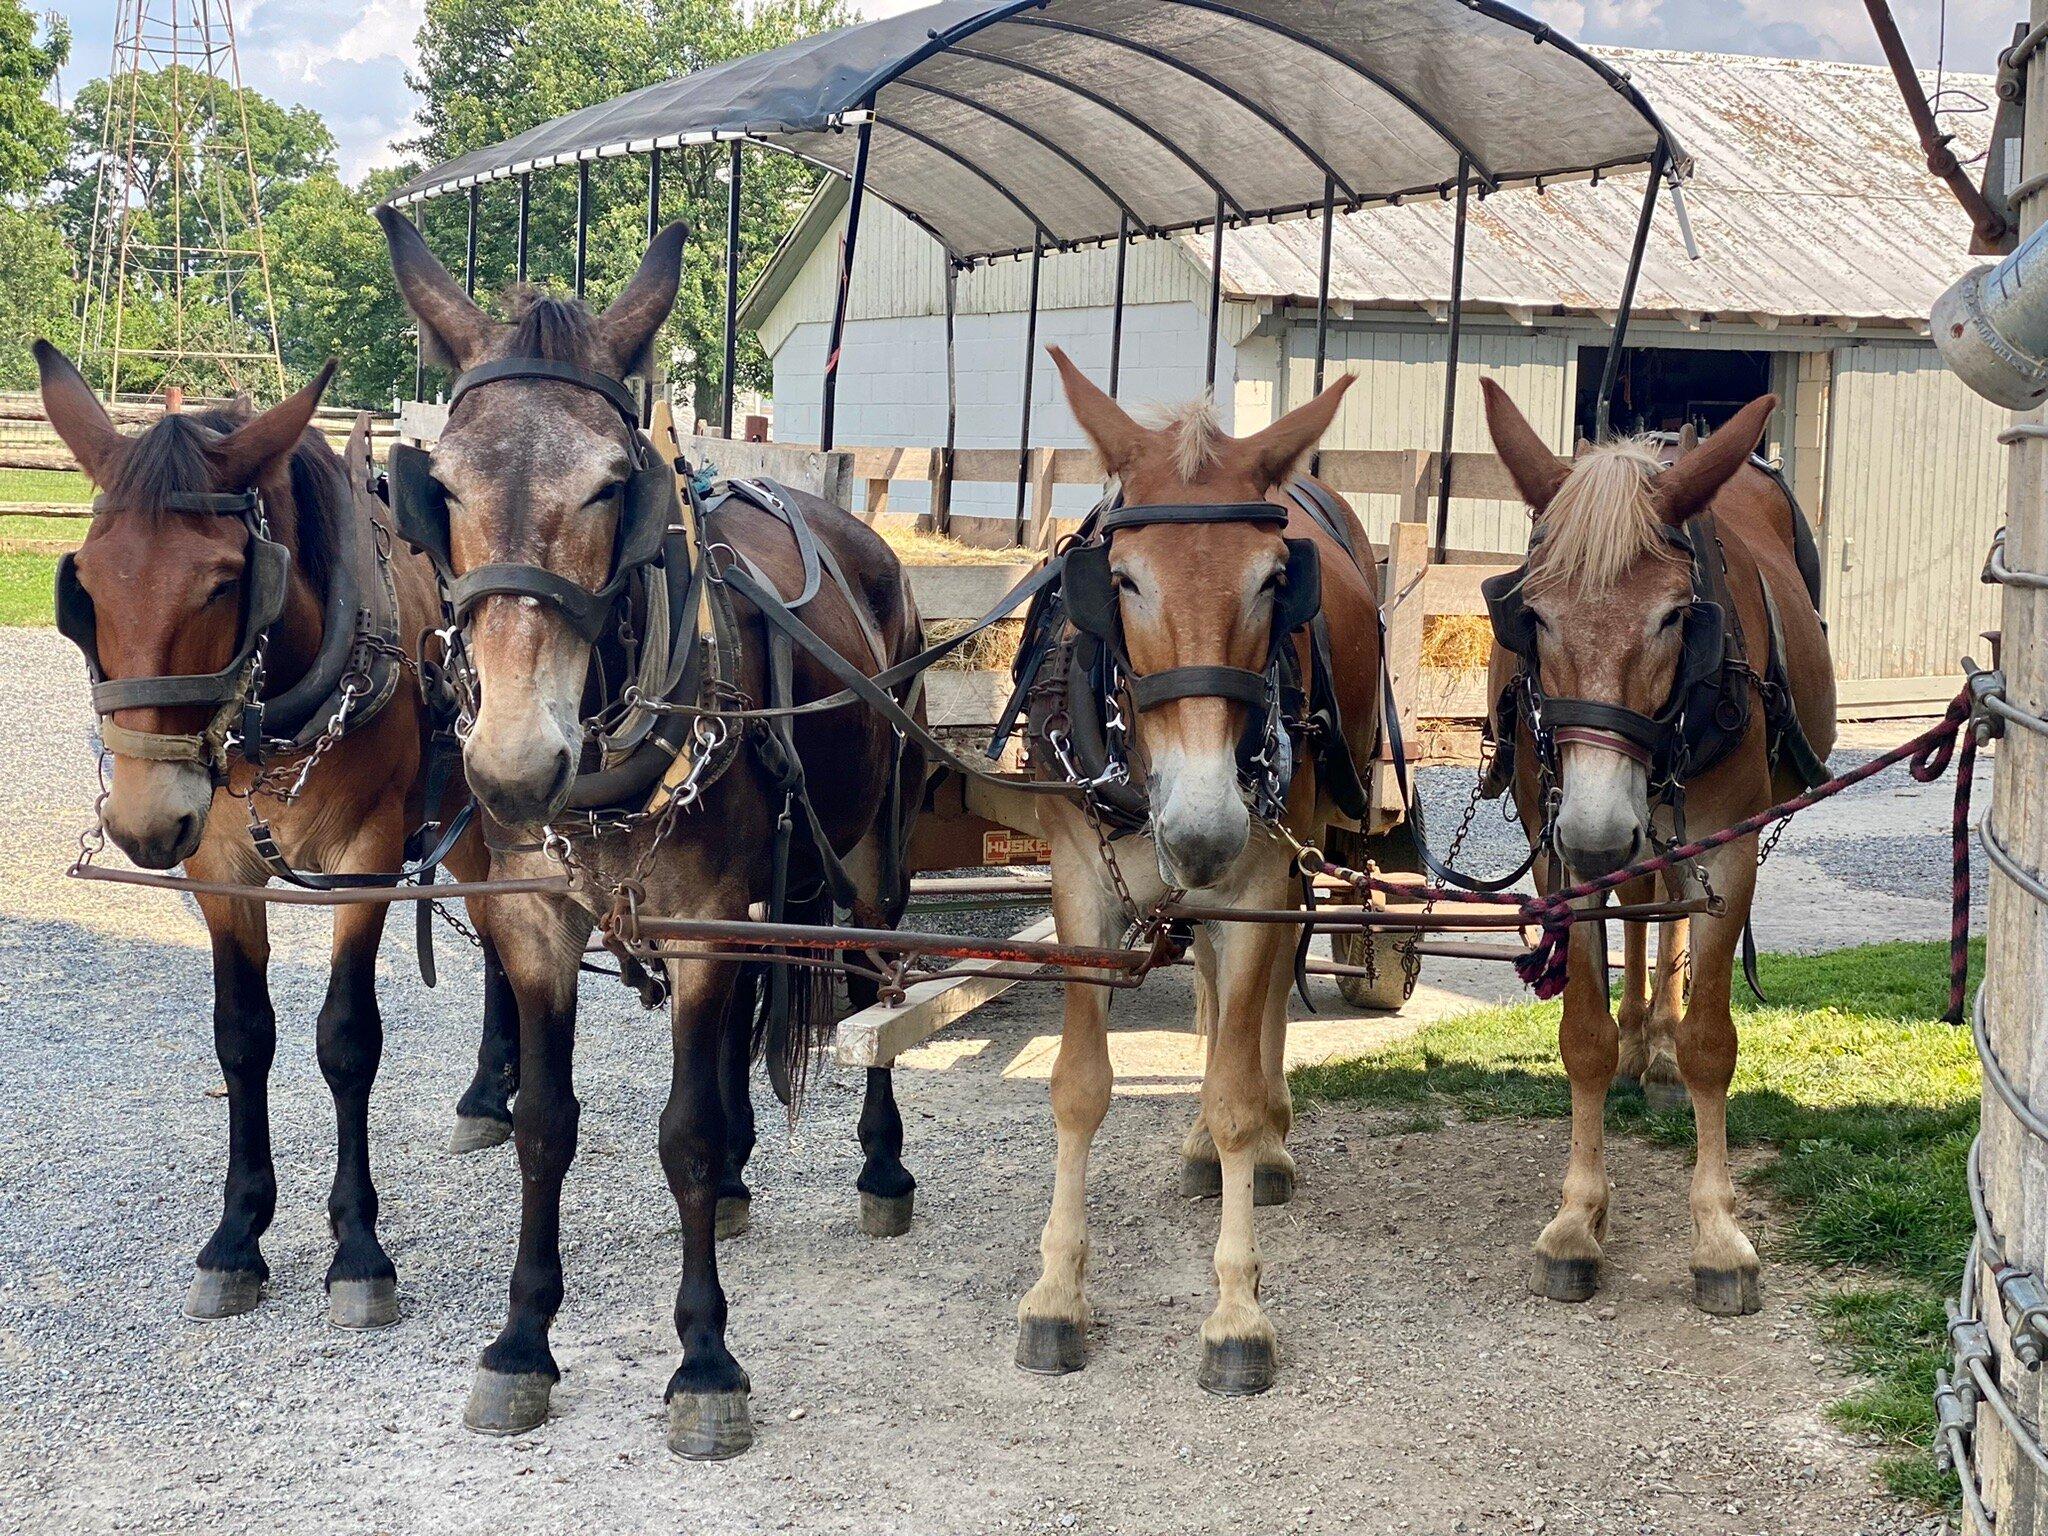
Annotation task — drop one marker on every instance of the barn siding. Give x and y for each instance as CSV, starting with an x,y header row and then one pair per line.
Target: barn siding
x,y
1398,403
1912,502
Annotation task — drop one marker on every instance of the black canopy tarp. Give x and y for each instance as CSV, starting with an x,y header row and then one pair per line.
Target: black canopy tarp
x,y
995,126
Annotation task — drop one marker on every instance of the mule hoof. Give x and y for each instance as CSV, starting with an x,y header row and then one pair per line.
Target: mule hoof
x,y
734,1216
1237,1367
709,1426
507,1405
217,1293
369,1303
883,1216
1564,1279
1662,1097
1200,1179
1727,1292
1272,1184
1050,1346
475,1133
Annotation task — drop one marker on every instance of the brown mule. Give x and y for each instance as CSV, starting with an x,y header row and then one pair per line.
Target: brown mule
x,y
159,596
533,467
1200,596
1609,587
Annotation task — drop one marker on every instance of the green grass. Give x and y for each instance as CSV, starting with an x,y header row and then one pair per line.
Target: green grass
x,y
45,485
25,586
1867,1103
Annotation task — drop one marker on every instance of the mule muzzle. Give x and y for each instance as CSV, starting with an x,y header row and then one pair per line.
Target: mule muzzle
x,y
156,812
521,778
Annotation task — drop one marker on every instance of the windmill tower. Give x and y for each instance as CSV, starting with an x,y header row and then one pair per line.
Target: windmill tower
x,y
177,291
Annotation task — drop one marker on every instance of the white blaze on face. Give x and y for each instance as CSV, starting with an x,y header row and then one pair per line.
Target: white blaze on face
x,y
521,751
1603,818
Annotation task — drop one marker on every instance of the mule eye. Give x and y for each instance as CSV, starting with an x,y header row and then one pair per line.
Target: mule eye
x,y
1672,618
1121,582
611,492
227,586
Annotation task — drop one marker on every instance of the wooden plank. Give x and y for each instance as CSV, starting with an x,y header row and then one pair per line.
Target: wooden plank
x,y
829,475
1040,534
1407,570
963,591
1454,589
875,1037
957,698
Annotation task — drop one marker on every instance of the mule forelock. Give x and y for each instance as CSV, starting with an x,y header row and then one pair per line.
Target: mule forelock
x,y
545,325
1601,521
1196,432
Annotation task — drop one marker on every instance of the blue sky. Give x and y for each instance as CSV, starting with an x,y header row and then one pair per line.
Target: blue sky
x,y
348,63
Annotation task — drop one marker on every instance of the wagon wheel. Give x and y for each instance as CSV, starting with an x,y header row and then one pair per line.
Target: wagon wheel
x,y
1388,990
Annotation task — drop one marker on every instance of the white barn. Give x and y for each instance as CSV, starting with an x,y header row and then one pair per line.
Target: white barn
x,y
1823,241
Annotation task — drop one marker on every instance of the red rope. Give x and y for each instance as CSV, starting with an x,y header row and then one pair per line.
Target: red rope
x,y
1544,967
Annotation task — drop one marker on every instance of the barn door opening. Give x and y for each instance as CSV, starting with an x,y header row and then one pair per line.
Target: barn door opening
x,y
1660,389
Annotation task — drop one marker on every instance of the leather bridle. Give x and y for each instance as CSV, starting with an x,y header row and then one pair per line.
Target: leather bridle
x,y
650,505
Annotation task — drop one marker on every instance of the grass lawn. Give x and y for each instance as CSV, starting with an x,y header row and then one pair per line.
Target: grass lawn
x,y
1867,1103
25,587
44,485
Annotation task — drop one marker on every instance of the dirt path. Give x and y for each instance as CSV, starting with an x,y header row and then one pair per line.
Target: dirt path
x,y
1421,1390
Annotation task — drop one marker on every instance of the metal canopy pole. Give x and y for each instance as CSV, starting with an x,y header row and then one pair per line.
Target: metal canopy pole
x,y
1030,357
525,212
1116,304
1443,473
653,229
1323,282
1215,294
942,495
828,406
1604,408
727,382
419,355
582,224
469,255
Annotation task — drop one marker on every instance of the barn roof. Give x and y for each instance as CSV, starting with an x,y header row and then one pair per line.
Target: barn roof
x,y
1810,199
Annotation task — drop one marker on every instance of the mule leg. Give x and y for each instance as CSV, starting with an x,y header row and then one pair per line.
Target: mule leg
x,y
707,1395
1726,1279
887,1191
1567,1261
1663,1085
540,941
1052,1319
1237,1338
362,1285
231,1271
736,1098
483,1115
1273,1173
1634,1007
1201,1174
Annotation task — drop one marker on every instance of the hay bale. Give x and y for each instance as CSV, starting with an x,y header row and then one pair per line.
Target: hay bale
x,y
1456,642
993,650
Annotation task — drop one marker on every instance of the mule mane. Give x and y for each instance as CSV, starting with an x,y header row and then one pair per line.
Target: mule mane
x,y
549,327
1600,522
1197,434
175,456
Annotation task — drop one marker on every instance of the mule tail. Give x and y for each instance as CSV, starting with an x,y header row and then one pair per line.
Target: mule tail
x,y
796,1009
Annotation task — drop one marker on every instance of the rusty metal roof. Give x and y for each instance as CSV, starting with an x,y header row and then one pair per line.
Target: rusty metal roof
x,y
1810,200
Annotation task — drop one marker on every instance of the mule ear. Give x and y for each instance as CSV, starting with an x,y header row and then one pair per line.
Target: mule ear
x,y
1117,438
1690,483
628,325
251,448
1275,451
77,415
1536,471
454,332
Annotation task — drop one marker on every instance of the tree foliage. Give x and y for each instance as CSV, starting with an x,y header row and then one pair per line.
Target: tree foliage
x,y
488,70
31,128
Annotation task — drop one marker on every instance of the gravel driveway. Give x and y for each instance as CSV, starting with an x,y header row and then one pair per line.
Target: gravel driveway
x,y
1420,1388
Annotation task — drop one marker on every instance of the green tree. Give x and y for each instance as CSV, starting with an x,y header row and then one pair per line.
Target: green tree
x,y
488,70
36,290
31,129
335,294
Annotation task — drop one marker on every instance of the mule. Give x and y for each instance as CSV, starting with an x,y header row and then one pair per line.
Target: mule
x,y
1642,563
1201,600
229,556
533,470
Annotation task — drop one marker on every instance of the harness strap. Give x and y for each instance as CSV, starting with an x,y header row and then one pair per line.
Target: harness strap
x,y
620,397
1209,682
203,747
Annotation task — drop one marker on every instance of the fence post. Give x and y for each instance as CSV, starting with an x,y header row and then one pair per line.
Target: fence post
x,y
1416,486
1407,568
